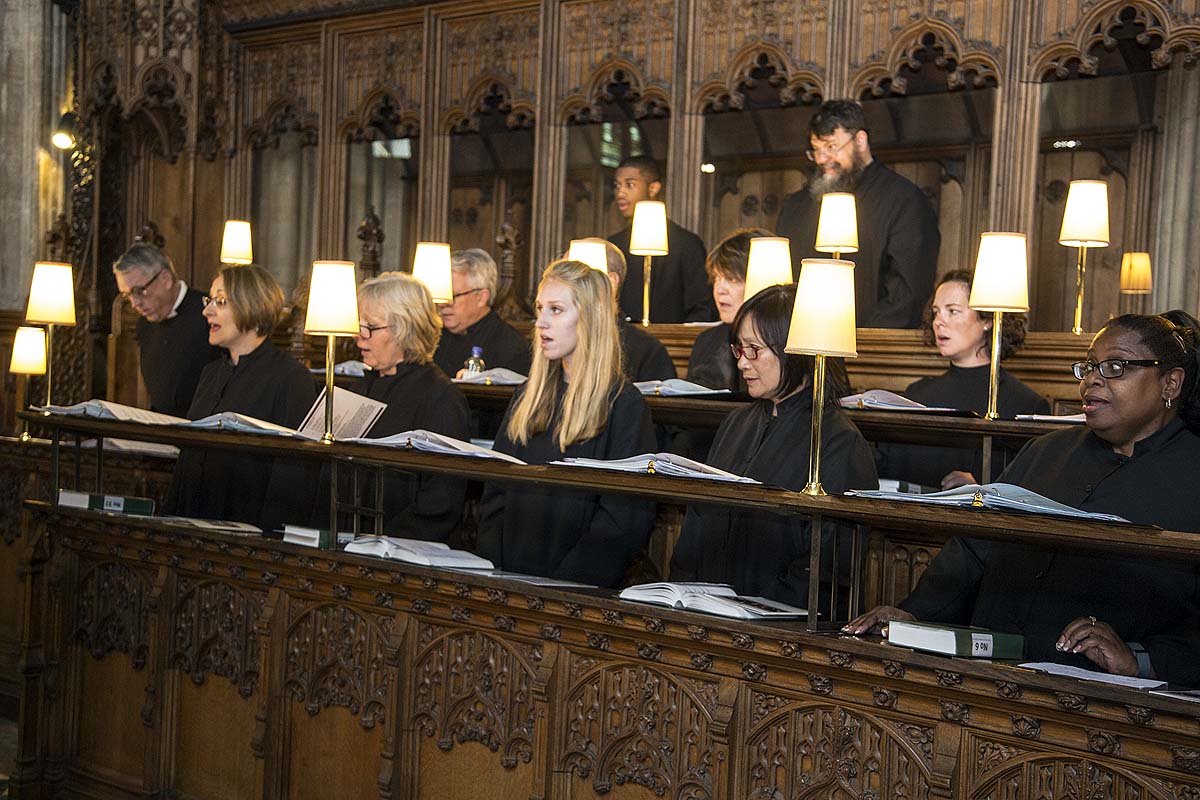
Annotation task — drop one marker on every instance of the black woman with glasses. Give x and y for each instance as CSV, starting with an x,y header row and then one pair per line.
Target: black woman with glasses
x,y
255,378
398,333
758,552
1138,457
172,336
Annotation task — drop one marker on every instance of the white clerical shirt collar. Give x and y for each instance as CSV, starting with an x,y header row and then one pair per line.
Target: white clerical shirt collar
x,y
178,300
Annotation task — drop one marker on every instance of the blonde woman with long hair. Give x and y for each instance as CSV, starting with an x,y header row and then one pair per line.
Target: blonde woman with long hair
x,y
576,403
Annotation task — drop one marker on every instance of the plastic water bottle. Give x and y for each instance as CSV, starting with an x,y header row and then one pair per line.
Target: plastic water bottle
x,y
475,364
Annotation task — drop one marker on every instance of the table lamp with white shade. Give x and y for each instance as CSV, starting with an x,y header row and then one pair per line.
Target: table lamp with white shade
x,y
592,252
1136,275
332,312
431,266
236,245
648,238
768,264
28,358
837,227
51,302
822,325
1084,225
1001,283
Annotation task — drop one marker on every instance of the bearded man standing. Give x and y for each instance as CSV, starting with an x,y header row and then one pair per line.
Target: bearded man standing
x,y
898,237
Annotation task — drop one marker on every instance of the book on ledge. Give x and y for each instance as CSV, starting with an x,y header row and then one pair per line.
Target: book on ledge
x,y
954,640
718,599
353,415
675,387
112,503
415,551
494,377
430,442
1000,496
106,409
344,369
215,525
313,537
1069,419
233,421
659,464
883,400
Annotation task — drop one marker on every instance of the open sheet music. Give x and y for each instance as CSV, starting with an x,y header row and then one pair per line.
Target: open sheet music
x,y
1003,496
659,464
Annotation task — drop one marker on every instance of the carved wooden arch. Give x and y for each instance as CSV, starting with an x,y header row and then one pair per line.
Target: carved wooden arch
x,y
158,106
489,94
1095,29
385,114
112,612
284,115
215,630
966,67
615,78
796,86
1012,765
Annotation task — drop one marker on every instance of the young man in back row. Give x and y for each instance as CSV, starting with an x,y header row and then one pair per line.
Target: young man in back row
x,y
679,289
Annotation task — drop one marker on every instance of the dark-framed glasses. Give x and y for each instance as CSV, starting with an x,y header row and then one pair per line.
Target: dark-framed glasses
x,y
828,151
138,292
454,297
1110,367
750,351
365,331
219,302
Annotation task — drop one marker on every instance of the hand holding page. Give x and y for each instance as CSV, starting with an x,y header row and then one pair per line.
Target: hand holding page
x,y
430,442
883,400
674,387
353,415
494,377
1001,496
659,464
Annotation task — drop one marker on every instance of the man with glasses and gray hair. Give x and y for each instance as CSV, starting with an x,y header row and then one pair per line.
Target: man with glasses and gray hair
x,y
172,333
898,236
468,319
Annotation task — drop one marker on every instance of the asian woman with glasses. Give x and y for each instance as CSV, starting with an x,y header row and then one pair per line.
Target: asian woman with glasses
x,y
761,553
1137,457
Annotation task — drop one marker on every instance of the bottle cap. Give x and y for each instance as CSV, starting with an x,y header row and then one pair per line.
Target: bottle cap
x,y
476,352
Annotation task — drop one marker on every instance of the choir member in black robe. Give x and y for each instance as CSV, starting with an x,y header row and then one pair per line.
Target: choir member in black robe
x,y
677,288
257,379
398,333
469,321
760,553
171,331
1138,457
898,236
576,403
965,338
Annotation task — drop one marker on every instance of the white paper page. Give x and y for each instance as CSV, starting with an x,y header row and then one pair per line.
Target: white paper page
x,y
675,386
494,377
429,442
1070,419
353,415
1050,668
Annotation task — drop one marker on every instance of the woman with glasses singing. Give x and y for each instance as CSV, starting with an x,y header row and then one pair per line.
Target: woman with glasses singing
x,y
397,336
254,378
761,553
1138,457
964,337
576,403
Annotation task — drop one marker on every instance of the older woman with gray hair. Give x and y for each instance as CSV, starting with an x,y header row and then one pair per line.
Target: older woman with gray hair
x,y
398,333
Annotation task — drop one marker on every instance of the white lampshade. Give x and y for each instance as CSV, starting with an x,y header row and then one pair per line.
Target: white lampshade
x,y
1135,273
332,299
51,294
837,227
823,316
1001,281
29,352
431,266
236,247
591,252
769,264
1085,219
649,234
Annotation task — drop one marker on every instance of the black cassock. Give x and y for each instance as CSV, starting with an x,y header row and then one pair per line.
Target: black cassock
x,y
502,346
712,363
679,290
269,385
761,553
1037,591
418,506
645,357
964,388
560,533
173,353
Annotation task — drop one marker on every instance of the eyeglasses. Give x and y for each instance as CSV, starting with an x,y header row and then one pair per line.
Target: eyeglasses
x,y
828,151
749,351
365,331
454,297
138,292
1110,368
219,302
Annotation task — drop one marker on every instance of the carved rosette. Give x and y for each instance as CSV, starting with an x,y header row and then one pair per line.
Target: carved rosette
x,y
631,724
469,687
338,657
801,750
215,632
111,612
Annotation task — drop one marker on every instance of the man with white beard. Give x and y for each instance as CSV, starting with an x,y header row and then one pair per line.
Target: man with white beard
x,y
898,237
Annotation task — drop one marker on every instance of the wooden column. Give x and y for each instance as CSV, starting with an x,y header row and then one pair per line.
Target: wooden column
x,y
686,150
433,207
549,151
1176,249
841,30
1015,132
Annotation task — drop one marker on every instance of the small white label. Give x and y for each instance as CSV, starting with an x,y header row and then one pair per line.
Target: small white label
x,y
112,503
981,645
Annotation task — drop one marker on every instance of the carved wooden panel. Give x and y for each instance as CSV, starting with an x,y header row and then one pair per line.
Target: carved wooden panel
x,y
478,52
283,77
374,62
470,687
800,750
111,612
335,656
630,724
215,631
882,23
